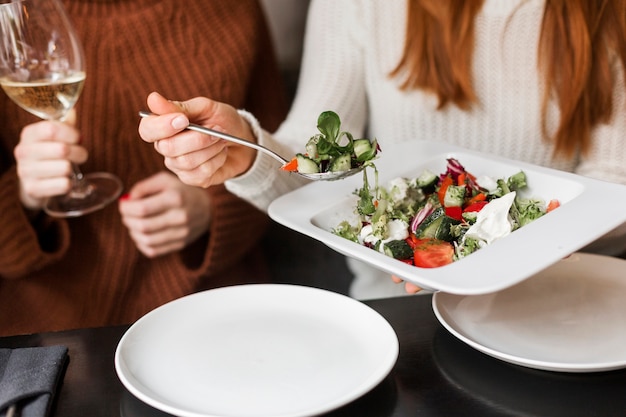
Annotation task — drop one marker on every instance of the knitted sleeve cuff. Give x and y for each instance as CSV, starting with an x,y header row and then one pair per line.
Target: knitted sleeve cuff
x,y
264,181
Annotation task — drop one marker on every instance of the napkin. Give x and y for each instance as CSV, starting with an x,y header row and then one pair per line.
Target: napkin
x,y
29,377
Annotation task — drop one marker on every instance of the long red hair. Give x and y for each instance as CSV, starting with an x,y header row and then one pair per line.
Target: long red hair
x,y
578,40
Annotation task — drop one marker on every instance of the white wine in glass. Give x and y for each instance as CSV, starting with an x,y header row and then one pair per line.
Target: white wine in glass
x,y
42,71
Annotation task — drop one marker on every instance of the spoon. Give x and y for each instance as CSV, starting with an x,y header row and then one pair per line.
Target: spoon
x,y
319,176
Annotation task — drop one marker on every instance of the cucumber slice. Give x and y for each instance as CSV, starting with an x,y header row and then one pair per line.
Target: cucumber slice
x,y
438,226
444,231
427,180
311,146
362,147
341,163
428,227
306,165
398,249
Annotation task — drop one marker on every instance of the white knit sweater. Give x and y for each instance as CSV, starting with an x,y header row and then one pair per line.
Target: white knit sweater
x,y
352,45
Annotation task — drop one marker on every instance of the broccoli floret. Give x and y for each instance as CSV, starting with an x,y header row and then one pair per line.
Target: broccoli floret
x,y
458,230
470,216
469,245
517,182
529,209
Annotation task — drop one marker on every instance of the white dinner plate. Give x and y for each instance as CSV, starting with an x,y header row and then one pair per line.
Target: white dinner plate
x,y
570,317
261,350
589,209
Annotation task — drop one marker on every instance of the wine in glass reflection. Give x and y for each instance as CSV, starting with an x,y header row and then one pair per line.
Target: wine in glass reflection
x,y
42,71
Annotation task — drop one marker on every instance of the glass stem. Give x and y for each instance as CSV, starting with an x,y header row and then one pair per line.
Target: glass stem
x,y
80,188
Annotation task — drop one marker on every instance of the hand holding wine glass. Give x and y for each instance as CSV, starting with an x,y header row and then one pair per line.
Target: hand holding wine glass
x,y
42,70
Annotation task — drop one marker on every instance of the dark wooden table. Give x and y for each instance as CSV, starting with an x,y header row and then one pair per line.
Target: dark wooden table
x,y
435,375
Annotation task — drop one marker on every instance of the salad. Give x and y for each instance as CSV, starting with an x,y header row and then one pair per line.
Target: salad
x,y
433,220
332,150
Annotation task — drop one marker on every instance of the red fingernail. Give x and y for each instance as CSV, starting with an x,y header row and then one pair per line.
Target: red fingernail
x,y
125,197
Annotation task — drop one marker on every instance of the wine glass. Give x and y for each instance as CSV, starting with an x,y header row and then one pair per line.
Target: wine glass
x,y
42,71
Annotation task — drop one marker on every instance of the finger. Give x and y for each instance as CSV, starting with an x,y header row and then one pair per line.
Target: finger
x,y
155,243
47,187
200,110
161,105
186,143
50,131
212,157
197,108
153,206
154,128
50,151
142,227
43,179
411,288
49,141
152,185
170,116
203,175
44,169
155,251
396,279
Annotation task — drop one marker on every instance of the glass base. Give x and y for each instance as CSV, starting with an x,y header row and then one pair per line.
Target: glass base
x,y
98,190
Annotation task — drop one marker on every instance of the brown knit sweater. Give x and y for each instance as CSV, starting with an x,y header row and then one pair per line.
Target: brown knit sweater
x,y
86,272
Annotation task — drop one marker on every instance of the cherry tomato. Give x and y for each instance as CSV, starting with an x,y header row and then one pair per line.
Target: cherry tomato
x,y
432,253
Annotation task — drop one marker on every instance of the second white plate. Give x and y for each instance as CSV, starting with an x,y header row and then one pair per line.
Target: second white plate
x,y
260,350
570,317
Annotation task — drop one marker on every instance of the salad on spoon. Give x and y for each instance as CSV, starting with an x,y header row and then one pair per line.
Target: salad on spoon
x,y
332,153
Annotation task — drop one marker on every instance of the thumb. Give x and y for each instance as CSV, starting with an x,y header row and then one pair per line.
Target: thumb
x,y
160,105
198,108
